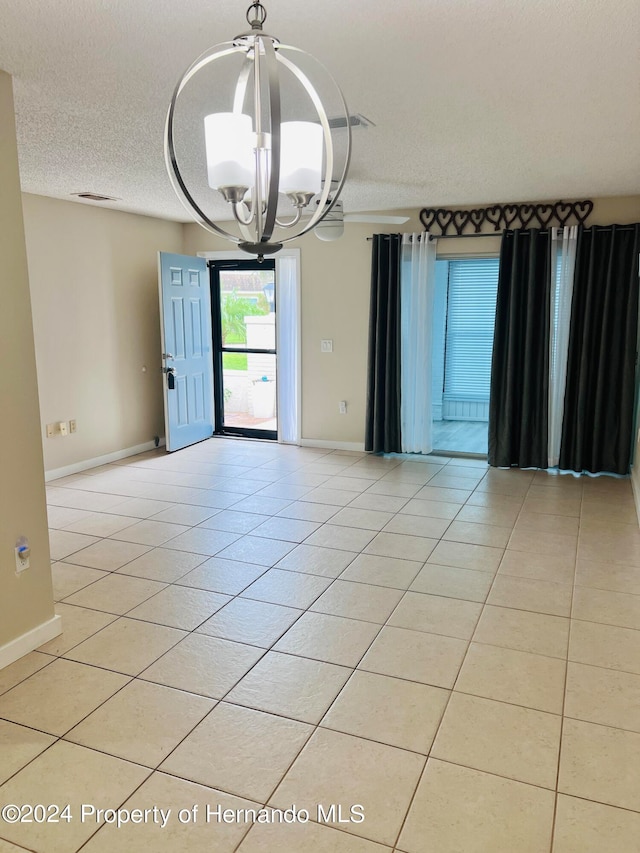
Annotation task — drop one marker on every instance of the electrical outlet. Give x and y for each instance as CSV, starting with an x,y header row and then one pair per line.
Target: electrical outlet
x,y
326,346
23,552
51,430
73,426
342,408
62,428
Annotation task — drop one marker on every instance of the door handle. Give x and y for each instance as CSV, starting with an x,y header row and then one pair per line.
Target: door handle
x,y
167,355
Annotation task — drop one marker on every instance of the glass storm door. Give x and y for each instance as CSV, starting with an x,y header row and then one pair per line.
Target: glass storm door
x,y
244,348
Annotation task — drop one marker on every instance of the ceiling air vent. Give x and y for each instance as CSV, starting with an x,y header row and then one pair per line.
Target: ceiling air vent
x,y
96,197
356,120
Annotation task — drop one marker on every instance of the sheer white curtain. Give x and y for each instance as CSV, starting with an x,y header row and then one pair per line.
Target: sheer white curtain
x,y
417,290
288,346
563,261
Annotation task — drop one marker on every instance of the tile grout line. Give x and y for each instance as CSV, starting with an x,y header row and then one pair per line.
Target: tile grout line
x,y
566,681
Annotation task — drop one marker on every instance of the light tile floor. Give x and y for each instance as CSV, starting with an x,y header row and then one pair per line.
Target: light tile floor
x,y
454,648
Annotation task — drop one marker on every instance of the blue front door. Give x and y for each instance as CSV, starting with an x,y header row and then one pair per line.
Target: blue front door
x,y
185,321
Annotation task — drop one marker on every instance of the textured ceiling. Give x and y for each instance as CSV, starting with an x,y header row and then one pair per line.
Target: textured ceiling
x,y
500,100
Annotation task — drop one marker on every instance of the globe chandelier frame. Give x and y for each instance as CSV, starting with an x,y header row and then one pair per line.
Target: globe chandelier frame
x,y
254,203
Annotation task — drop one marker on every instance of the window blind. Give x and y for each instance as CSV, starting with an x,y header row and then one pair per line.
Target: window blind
x,y
555,297
471,311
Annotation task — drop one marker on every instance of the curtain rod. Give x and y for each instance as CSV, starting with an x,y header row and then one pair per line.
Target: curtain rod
x,y
445,237
605,229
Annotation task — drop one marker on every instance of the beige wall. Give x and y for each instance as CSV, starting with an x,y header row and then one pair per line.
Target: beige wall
x,y
94,290
335,305
96,320
26,601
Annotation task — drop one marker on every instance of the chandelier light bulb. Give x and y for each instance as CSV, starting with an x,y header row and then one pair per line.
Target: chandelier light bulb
x,y
230,152
301,151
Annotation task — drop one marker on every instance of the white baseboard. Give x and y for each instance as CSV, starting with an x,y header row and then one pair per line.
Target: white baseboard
x,y
332,445
33,639
77,467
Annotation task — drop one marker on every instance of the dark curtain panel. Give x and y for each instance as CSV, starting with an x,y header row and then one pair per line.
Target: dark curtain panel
x,y
599,398
519,397
382,428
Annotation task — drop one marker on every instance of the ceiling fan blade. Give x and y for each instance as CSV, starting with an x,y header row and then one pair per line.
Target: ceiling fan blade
x,y
381,220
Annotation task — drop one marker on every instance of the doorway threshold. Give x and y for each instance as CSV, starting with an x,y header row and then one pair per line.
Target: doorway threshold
x,y
459,454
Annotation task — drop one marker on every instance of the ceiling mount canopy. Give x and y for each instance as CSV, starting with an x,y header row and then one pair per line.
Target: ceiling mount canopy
x,y
257,135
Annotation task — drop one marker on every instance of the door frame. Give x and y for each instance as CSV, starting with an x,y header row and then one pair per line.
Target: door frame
x,y
293,254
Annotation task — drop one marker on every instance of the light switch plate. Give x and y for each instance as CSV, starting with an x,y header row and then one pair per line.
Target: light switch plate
x,y
326,346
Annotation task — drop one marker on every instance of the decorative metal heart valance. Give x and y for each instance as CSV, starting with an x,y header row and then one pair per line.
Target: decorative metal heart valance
x,y
505,216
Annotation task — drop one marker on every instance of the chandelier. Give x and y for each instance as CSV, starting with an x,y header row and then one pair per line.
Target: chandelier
x,y
269,151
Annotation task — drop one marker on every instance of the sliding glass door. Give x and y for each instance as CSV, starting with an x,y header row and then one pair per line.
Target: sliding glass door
x,y
244,348
465,307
